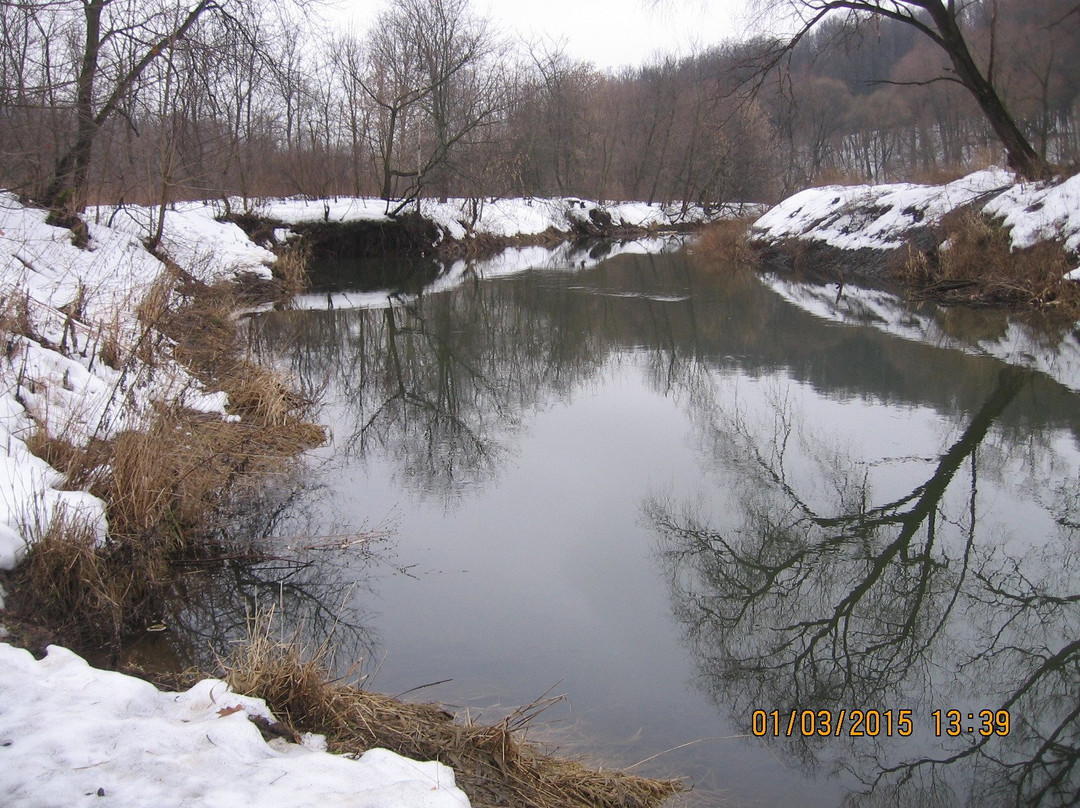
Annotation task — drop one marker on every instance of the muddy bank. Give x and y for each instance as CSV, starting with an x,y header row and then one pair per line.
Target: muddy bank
x,y
414,235
410,252
352,230
818,262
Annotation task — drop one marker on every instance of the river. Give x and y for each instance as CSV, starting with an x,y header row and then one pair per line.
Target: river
x,y
793,546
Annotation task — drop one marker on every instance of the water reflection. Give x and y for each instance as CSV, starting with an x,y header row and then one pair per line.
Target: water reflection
x,y
273,569
848,581
851,520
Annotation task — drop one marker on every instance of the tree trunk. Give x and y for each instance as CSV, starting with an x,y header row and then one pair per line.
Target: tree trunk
x,y
66,193
1022,157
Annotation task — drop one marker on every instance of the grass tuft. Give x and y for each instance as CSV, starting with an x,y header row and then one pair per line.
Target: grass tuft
x,y
15,318
67,580
58,452
493,764
110,348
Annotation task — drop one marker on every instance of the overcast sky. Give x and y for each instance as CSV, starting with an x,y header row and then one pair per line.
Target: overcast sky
x,y
609,33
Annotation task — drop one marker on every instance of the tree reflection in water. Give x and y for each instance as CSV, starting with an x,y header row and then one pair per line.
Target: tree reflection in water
x,y
843,582
441,383
271,572
818,597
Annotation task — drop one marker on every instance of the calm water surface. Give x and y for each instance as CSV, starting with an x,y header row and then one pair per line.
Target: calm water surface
x,y
677,497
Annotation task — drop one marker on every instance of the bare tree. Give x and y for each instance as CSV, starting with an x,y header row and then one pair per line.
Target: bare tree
x,y
943,22
432,80
129,37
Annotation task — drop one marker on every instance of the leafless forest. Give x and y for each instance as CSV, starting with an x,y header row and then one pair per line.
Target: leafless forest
x,y
155,100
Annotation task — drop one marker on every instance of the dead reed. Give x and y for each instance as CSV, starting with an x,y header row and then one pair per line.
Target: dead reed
x,y
724,245
976,265
291,267
15,318
75,586
494,765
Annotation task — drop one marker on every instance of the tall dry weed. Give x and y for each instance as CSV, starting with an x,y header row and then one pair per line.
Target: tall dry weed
x,y
68,582
15,318
291,266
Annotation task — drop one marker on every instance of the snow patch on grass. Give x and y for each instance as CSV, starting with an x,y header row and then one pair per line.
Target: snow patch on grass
x,y
77,361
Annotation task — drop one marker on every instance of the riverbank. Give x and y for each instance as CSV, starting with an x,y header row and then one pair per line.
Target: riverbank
x,y
984,239
357,227
129,424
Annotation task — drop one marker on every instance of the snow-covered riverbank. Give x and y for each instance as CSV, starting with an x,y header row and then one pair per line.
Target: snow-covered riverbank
x,y
887,217
70,325
508,218
70,732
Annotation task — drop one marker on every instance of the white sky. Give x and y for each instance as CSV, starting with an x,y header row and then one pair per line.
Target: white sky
x,y
609,33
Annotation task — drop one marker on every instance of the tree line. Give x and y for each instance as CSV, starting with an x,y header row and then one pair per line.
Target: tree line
x,y
152,101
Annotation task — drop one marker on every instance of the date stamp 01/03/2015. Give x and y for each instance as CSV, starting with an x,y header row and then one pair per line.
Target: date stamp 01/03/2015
x,y
875,723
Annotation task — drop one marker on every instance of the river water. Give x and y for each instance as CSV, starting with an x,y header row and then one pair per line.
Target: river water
x,y
759,535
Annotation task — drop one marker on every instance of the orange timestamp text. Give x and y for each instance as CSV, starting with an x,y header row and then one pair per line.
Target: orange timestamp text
x,y
874,723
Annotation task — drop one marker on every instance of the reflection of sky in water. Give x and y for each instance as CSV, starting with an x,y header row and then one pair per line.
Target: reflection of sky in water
x,y
544,570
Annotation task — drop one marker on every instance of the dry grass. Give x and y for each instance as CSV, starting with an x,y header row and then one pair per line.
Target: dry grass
x,y
57,451
167,485
168,489
979,267
832,175
260,394
109,345
291,267
15,319
724,245
494,765
67,581
939,174
155,305
173,479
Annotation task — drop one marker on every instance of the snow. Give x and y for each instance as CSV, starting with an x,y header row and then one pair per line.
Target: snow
x,y
876,217
1035,212
72,734
194,239
514,216
884,217
70,303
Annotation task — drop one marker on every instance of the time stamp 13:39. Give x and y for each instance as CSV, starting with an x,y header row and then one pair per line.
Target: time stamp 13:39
x,y
875,723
